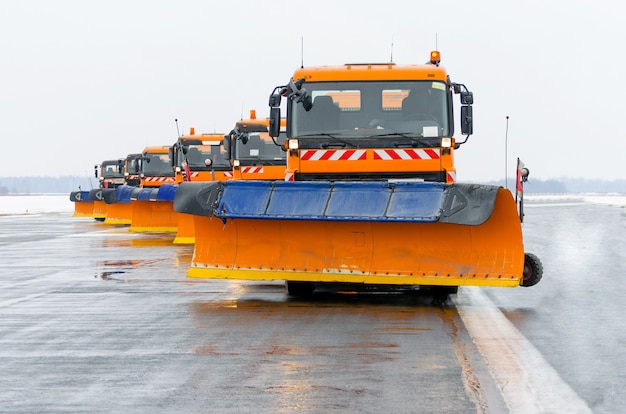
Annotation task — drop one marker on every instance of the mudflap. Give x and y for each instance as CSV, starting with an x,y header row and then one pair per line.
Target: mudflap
x,y
403,232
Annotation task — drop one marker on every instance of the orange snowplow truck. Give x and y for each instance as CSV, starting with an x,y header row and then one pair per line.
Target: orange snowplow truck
x,y
151,203
156,167
253,154
369,195
200,157
110,173
197,158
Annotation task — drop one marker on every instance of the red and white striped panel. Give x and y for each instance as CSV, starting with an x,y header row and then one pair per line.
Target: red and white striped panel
x,y
451,176
160,179
252,170
406,154
228,174
333,155
289,176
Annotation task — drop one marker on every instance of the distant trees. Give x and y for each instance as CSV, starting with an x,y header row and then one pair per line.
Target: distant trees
x,y
39,185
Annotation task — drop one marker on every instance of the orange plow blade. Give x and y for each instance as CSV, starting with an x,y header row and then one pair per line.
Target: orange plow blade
x,y
119,210
119,213
424,234
83,206
153,210
185,233
153,217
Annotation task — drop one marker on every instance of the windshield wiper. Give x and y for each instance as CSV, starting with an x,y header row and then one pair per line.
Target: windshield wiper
x,y
414,140
341,142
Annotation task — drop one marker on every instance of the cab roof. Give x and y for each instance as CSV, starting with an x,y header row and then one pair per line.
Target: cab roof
x,y
371,72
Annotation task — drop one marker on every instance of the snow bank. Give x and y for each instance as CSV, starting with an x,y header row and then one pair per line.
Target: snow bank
x,y
35,204
608,199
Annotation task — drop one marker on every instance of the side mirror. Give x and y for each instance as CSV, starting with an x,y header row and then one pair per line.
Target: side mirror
x,y
227,146
274,100
274,127
307,101
467,121
467,98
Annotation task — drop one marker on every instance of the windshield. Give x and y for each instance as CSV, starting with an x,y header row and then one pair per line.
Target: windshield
x,y
112,170
260,147
132,165
373,109
157,165
196,156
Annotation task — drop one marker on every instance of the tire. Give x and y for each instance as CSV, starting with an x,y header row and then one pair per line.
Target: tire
x,y
297,288
533,270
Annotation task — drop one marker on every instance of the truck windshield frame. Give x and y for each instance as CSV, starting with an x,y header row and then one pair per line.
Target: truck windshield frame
x,y
197,155
260,148
366,109
112,170
157,165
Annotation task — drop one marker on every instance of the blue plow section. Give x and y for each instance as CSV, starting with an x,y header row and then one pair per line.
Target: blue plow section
x,y
392,201
166,192
79,196
123,193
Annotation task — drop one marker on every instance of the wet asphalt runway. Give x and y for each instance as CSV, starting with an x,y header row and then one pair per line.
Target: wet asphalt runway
x,y
96,319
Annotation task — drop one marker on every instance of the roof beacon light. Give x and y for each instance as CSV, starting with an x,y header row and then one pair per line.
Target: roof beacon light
x,y
435,57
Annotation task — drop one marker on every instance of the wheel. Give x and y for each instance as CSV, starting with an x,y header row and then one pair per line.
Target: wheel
x,y
533,270
297,288
441,294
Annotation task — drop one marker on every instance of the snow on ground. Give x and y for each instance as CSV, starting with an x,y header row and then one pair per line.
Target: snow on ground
x,y
35,204
608,198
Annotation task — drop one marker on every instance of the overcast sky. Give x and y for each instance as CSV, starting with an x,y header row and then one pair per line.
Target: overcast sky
x,y
83,81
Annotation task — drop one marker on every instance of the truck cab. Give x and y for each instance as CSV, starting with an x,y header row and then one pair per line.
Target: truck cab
x,y
156,167
371,122
253,153
200,157
110,173
132,166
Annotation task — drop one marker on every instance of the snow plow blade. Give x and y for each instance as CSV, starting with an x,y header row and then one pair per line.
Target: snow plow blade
x,y
99,206
83,207
119,209
153,209
377,232
189,204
